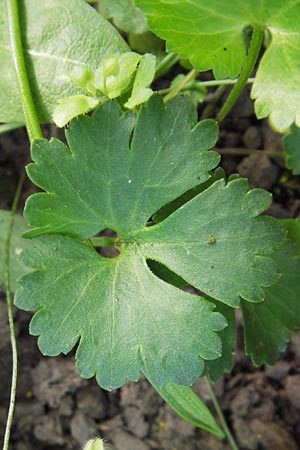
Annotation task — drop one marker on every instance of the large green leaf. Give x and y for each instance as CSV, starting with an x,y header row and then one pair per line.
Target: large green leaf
x,y
18,244
211,36
112,176
154,172
58,36
268,326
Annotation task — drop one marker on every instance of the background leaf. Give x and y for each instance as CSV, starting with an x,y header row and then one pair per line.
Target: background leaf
x,y
18,244
268,326
212,38
215,369
57,37
124,14
291,146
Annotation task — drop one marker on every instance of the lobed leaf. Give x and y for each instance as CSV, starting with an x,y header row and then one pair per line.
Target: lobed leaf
x,y
268,326
115,175
124,316
219,243
57,37
212,37
102,164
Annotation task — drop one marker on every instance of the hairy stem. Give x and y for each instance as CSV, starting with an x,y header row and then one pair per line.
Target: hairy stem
x,y
220,414
254,49
10,315
34,132
31,119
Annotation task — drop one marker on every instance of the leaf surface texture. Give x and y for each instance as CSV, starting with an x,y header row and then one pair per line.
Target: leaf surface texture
x,y
116,173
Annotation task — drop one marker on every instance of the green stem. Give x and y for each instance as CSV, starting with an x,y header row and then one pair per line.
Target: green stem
x,y
226,430
34,132
209,83
254,49
176,89
208,110
166,64
6,127
10,315
31,119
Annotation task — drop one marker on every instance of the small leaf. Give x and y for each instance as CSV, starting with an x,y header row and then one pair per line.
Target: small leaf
x,y
124,14
144,77
71,107
291,146
115,73
57,37
268,326
18,244
189,406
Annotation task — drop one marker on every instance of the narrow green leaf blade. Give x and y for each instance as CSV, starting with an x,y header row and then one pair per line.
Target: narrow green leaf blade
x,y
189,406
57,38
291,146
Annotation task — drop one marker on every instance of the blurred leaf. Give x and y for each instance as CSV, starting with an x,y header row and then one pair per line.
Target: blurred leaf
x,y
291,146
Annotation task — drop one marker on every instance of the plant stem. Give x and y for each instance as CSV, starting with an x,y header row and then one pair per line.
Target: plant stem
x,y
31,119
176,89
220,414
254,49
34,132
166,64
10,315
6,127
209,83
208,110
